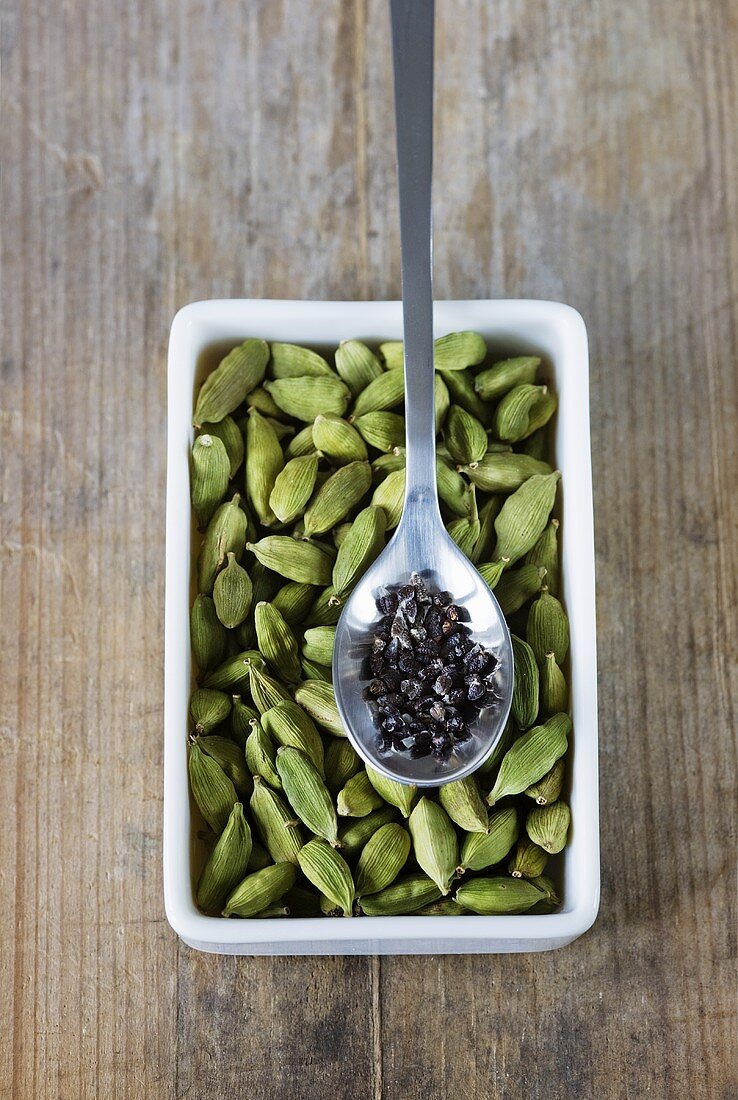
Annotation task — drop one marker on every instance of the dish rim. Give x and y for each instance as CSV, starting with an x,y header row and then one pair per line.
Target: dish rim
x,y
201,324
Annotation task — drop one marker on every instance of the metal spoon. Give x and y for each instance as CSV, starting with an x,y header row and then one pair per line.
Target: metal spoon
x,y
420,543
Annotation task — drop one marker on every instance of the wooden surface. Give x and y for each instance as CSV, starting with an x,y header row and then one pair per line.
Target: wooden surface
x,y
156,153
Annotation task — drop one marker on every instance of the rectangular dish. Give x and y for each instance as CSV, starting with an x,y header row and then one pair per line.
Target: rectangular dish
x,y
200,333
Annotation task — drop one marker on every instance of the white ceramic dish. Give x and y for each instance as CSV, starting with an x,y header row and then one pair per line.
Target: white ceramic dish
x,y
511,327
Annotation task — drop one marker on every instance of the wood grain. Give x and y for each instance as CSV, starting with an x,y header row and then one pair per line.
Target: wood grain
x,y
159,152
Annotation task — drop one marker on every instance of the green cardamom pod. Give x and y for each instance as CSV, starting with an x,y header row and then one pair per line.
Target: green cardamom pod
x,y
465,532
341,763
442,401
293,487
326,609
465,437
549,787
460,385
503,472
260,400
482,850
384,392
458,350
232,593
329,872
231,381
464,804
293,601
358,797
231,759
292,361
275,823
524,516
328,548
393,354
301,444
543,906
434,842
276,642
531,756
227,864
289,725
318,644
452,489
313,671
319,700
491,571
307,793
305,398
273,911
548,628
207,634
359,549
537,444
525,686
261,755
485,544
517,586
528,861
329,908
548,826
265,690
225,533
212,790
354,833
338,440
554,693
490,896
296,560
208,709
233,673
265,586
340,533
545,553
229,433
283,430
390,497
383,430
501,377
507,737
209,475
260,890
337,496
385,465
264,461
406,895
549,890
444,907
382,859
401,795
522,411
357,365
241,717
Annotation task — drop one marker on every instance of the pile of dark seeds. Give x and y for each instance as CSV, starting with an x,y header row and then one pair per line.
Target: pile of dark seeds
x,y
430,679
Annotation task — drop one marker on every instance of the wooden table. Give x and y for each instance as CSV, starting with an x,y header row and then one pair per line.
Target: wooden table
x,y
161,152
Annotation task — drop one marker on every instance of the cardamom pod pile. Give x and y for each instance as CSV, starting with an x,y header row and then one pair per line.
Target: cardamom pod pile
x,y
297,479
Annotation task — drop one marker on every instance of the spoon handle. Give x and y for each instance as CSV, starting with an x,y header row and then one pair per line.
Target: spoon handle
x,y
412,55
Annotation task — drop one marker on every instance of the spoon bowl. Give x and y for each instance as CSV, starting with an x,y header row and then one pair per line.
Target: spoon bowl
x,y
420,545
